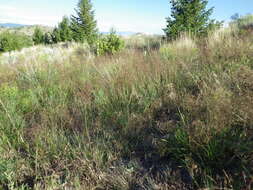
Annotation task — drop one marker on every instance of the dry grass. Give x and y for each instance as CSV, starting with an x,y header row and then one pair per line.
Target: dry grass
x,y
177,118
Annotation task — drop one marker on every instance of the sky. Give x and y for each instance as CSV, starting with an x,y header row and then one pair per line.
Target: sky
x,y
147,16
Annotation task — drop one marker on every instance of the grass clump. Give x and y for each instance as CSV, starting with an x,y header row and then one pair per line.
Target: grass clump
x,y
143,42
182,47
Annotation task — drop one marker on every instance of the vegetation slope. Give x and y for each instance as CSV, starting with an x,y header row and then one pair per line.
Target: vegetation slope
x,y
179,116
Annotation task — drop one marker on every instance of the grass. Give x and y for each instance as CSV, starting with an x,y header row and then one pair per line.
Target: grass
x,y
176,118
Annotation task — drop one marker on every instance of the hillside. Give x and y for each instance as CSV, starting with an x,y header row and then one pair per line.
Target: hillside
x,y
27,30
11,25
157,115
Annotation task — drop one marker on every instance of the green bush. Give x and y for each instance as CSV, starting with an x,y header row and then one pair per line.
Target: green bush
x,y
48,38
13,41
109,44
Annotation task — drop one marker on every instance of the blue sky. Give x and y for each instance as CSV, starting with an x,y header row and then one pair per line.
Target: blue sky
x,y
124,15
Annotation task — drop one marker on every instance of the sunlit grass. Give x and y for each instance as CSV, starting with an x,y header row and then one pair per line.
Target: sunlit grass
x,y
175,118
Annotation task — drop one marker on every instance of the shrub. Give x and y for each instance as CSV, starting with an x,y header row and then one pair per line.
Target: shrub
x,y
109,44
48,38
13,41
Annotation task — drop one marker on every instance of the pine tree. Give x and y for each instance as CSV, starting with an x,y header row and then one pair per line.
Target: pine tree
x,y
84,25
38,36
189,16
65,30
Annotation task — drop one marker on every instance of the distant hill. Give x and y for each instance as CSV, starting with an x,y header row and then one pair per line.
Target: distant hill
x,y
29,29
21,28
11,25
123,33
126,33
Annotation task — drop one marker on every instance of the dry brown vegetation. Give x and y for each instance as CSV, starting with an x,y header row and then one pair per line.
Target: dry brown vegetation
x,y
176,118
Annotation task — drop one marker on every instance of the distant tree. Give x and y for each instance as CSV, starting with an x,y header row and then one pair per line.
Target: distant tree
x,y
84,25
38,36
189,16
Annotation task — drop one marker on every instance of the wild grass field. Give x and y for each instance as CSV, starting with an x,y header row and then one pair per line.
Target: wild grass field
x,y
156,116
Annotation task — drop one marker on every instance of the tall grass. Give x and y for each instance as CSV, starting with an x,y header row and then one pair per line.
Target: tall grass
x,y
177,118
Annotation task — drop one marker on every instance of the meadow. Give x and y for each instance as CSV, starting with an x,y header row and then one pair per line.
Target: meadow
x,y
157,115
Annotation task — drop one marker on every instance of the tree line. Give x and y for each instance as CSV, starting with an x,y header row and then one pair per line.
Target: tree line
x,y
187,16
81,27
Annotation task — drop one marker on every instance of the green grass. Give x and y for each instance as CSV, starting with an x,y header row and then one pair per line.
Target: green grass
x,y
178,117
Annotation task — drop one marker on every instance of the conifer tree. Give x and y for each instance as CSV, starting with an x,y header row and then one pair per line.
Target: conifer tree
x,y
189,16
38,36
65,30
84,25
